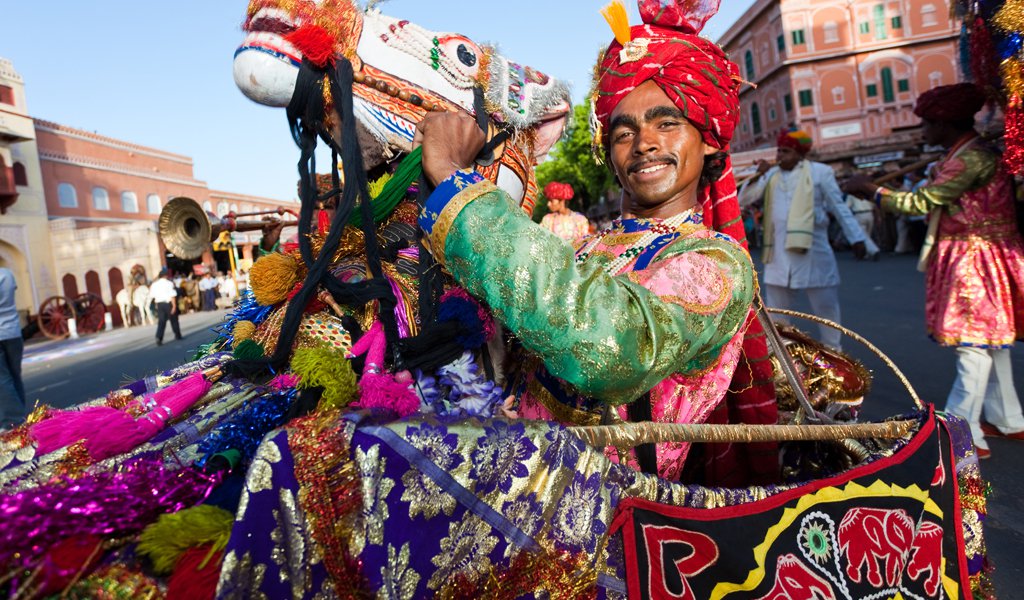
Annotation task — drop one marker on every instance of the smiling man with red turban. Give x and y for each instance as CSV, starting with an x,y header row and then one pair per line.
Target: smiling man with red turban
x,y
704,85
644,321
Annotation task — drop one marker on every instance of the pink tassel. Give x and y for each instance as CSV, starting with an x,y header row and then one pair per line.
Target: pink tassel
x,y
379,389
372,340
383,390
108,431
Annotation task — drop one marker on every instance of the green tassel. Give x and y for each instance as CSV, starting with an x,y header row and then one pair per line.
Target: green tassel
x,y
383,204
248,350
325,368
172,534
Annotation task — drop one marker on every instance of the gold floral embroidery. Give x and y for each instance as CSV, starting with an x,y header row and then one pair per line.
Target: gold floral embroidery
x,y
464,552
289,539
261,471
451,211
398,581
240,579
376,488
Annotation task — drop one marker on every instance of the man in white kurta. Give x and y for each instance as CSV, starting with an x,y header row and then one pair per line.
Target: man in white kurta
x,y
813,269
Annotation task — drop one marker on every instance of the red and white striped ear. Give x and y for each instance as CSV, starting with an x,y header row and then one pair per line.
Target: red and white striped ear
x,y
687,16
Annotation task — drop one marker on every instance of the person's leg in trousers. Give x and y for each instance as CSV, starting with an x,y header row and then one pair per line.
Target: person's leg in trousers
x,y
1002,405
973,366
163,310
825,304
174,325
12,391
777,296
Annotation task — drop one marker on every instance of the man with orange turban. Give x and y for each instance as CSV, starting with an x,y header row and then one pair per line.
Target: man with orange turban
x,y
798,195
973,257
644,321
563,222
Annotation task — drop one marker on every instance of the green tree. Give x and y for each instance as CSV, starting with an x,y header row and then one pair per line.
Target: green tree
x,y
572,161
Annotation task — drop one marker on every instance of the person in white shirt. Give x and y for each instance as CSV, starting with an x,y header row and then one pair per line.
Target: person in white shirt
x,y
12,390
798,196
208,288
165,295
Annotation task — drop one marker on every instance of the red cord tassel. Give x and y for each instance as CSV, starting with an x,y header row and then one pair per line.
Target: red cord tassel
x,y
195,576
314,42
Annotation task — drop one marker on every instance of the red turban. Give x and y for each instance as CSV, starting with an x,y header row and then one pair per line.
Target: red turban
x,y
695,74
956,102
558,191
795,140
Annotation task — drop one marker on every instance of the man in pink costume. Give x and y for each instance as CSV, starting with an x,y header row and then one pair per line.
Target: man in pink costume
x,y
973,257
561,221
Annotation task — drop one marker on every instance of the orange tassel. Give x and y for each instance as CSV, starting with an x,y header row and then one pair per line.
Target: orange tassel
x,y
615,13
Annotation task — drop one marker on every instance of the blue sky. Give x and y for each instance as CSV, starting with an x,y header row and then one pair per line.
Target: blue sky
x,y
159,74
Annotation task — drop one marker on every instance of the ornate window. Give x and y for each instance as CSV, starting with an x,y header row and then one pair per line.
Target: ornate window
x,y
153,204
755,118
748,62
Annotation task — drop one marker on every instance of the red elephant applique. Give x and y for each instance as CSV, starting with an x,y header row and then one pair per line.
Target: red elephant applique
x,y
870,536
927,556
795,581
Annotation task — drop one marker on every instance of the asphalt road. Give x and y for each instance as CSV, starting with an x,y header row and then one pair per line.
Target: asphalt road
x,y
67,372
883,301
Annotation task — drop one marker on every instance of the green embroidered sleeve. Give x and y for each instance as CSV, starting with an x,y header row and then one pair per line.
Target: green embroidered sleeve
x,y
972,169
610,337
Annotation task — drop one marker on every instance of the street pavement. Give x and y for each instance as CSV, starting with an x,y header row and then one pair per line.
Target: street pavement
x,y
883,301
66,372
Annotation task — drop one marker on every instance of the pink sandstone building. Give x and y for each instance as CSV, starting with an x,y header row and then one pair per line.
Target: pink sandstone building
x,y
848,72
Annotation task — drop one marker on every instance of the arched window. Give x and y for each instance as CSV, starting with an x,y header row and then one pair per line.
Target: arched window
x,y
748,60
888,95
234,208
153,204
222,209
129,202
207,206
70,284
100,199
755,118
66,195
20,176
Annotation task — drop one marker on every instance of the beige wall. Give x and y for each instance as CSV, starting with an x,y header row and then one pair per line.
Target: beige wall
x,y
24,235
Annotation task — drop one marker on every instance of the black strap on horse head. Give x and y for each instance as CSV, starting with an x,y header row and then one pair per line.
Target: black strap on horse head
x,y
305,117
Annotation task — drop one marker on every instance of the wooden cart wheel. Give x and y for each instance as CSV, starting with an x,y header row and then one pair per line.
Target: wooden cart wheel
x,y
91,311
53,317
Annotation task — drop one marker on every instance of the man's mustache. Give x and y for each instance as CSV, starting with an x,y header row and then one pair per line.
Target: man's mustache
x,y
643,164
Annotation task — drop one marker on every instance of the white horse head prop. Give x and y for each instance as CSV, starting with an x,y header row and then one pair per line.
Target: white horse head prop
x,y
402,71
